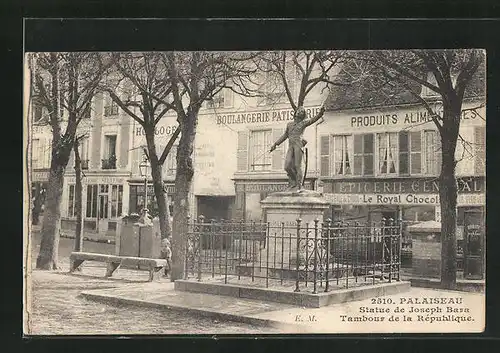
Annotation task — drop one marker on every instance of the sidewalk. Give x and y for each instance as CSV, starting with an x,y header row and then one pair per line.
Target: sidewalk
x,y
87,236
364,316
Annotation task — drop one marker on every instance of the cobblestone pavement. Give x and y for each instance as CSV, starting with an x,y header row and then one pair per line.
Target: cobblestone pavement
x,y
57,308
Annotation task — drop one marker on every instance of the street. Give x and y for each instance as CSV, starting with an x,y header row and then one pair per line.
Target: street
x,y
58,309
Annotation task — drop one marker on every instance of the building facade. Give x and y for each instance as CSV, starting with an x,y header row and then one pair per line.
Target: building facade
x,y
384,162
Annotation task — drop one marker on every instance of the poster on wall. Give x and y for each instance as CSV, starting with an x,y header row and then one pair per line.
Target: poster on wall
x,y
353,213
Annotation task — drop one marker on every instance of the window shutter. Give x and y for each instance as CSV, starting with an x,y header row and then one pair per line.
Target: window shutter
x,y
95,155
480,150
416,152
368,151
325,155
228,98
242,153
403,152
136,159
125,145
278,162
358,155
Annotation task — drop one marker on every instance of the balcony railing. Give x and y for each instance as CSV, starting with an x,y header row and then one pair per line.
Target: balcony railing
x,y
109,163
111,110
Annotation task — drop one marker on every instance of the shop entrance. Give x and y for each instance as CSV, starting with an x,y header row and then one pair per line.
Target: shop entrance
x,y
103,206
214,207
473,244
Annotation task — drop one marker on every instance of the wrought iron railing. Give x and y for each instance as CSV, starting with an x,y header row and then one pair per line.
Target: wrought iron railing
x,y
297,254
109,163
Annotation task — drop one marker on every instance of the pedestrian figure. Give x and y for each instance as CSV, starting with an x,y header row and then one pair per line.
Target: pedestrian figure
x,y
166,253
294,132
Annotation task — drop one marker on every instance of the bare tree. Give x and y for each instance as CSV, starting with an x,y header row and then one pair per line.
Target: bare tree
x,y
198,77
447,73
294,74
65,82
148,87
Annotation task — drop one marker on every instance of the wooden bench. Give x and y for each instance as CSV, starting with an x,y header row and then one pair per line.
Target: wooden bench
x,y
114,262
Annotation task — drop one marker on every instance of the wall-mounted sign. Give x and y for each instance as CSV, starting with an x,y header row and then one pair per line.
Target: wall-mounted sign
x,y
98,180
406,118
40,176
401,199
262,116
400,186
266,187
159,130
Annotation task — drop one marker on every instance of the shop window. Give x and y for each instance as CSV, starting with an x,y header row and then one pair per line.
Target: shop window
x,y
432,152
116,200
342,155
71,201
410,152
103,201
363,154
387,153
480,150
260,143
91,201
109,160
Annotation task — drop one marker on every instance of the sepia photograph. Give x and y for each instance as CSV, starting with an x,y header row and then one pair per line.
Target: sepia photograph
x,y
254,192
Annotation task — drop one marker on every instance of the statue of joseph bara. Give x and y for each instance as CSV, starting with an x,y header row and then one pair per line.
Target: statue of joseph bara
x,y
294,132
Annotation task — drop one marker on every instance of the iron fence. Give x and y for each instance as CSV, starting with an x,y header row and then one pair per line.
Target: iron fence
x,y
299,254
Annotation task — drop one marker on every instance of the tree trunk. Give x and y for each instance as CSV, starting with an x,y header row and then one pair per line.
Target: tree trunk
x,y
78,200
159,190
37,204
448,198
47,257
183,180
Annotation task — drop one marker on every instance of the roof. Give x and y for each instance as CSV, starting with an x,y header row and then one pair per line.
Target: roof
x,y
372,92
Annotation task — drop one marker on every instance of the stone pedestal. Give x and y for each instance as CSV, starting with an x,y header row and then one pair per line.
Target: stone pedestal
x,y
426,249
282,211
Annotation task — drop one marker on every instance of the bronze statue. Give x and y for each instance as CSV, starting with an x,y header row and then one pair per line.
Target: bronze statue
x,y
294,132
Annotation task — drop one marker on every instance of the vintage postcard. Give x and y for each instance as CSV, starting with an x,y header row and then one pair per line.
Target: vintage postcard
x,y
256,192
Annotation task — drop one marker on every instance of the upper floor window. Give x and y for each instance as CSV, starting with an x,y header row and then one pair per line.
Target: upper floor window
x,y
432,141
109,160
381,154
363,154
83,149
110,107
40,153
342,155
260,143
410,152
223,99
387,153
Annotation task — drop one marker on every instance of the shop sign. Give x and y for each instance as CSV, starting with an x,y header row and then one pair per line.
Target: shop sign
x,y
262,116
405,118
275,187
400,199
159,130
400,186
140,189
98,180
40,176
